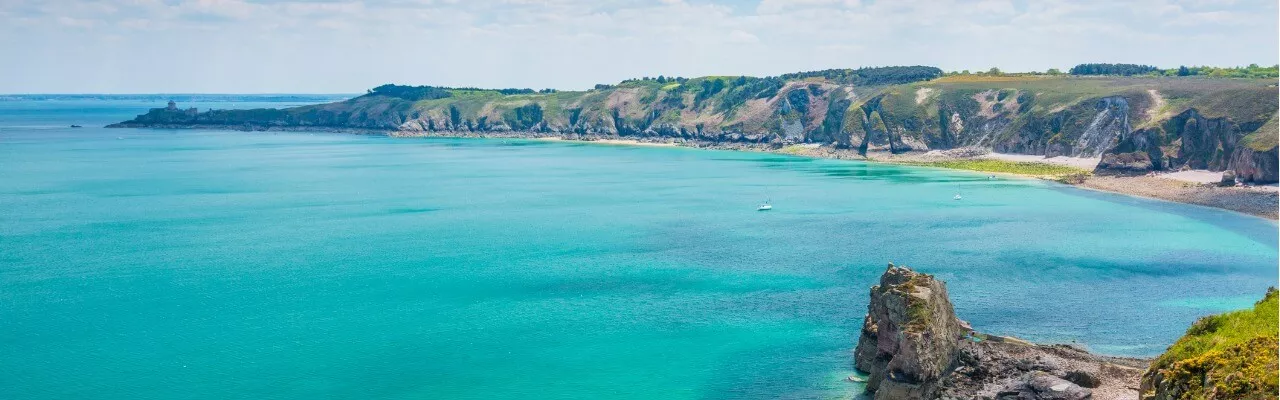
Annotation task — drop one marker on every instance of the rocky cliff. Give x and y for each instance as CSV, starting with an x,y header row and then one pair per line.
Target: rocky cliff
x,y
913,346
1134,124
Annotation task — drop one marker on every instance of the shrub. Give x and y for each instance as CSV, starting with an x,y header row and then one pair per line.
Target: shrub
x,y
1226,356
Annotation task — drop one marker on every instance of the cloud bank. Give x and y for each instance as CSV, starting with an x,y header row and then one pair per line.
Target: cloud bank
x,y
250,46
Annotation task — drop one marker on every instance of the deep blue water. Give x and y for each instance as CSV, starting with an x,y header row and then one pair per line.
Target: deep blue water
x,y
160,264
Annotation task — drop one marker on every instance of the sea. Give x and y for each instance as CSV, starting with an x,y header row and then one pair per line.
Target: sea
x,y
204,264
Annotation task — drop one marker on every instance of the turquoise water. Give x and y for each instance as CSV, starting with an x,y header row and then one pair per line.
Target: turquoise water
x,y
156,264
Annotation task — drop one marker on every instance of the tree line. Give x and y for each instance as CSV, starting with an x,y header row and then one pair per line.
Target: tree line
x,y
1251,71
416,93
872,75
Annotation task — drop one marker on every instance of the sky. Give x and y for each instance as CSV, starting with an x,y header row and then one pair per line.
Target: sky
x,y
347,46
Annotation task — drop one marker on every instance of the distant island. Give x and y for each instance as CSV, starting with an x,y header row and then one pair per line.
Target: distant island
x,y
1123,120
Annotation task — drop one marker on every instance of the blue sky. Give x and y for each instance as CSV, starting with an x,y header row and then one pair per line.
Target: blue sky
x,y
328,46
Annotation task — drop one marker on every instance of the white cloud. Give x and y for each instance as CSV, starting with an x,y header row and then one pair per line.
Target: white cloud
x,y
348,45
738,36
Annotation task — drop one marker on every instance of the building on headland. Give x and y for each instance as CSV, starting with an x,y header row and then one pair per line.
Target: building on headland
x,y
171,113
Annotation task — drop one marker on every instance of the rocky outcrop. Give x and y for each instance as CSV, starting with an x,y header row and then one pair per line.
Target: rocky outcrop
x,y
910,335
1254,166
1191,140
1109,122
912,346
1131,163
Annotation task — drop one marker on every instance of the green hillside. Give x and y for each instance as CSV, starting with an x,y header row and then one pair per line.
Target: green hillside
x,y
1226,356
1134,123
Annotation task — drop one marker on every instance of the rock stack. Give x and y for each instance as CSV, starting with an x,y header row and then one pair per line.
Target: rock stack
x,y
913,346
910,335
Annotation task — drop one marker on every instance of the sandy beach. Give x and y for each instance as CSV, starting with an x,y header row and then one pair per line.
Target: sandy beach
x,y
1193,176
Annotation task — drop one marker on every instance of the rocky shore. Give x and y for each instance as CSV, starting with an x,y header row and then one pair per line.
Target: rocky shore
x,y
1259,201
913,346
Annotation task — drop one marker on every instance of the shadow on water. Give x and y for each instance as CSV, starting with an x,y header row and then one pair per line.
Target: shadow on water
x,y
859,170
1265,234
412,210
1174,264
768,160
888,173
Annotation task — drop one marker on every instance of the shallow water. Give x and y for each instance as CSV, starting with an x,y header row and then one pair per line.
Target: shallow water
x,y
209,265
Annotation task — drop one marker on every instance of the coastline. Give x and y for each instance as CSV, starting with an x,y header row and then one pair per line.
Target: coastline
x,y
1259,201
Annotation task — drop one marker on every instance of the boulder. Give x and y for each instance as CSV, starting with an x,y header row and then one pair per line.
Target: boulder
x,y
1228,178
1083,378
1131,163
1043,386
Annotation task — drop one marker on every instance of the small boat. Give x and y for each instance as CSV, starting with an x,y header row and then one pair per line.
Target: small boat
x,y
76,126
957,196
764,207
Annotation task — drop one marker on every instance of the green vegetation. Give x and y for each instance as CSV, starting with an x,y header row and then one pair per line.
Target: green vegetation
x,y
411,93
1265,138
1242,104
1225,356
871,76
899,109
1112,69
525,117
918,312
1008,167
1251,71
793,149
747,88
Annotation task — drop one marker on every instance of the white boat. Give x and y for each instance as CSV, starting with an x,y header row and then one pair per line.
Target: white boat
x,y
764,207
957,196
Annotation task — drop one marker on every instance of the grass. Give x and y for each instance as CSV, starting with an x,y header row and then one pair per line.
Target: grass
x,y
1006,167
793,149
1241,104
991,78
918,312
1226,356
1265,138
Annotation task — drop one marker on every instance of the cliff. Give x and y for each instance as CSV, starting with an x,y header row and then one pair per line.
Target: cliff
x,y
913,346
1135,124
1227,356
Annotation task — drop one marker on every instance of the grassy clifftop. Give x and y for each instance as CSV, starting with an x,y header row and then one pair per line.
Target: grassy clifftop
x,y
1149,122
1226,356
